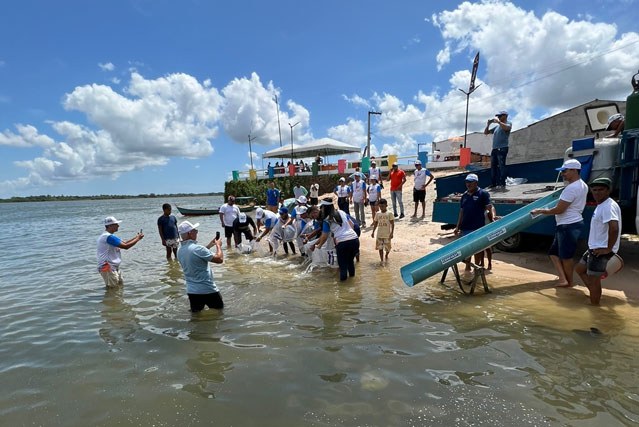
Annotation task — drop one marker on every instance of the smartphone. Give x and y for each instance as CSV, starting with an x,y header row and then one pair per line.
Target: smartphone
x,y
140,231
217,235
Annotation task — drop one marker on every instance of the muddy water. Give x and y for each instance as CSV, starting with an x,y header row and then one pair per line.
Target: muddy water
x,y
290,349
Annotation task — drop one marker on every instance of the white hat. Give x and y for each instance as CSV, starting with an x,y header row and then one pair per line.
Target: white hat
x,y
301,210
302,200
472,177
110,220
259,213
326,202
186,227
418,162
570,164
342,179
242,217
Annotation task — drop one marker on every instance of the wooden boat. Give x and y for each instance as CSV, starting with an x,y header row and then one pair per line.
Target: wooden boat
x,y
247,204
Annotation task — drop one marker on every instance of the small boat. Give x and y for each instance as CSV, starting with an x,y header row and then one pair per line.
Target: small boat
x,y
246,204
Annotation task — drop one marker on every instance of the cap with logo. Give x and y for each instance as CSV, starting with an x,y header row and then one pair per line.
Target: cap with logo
x,y
110,220
242,217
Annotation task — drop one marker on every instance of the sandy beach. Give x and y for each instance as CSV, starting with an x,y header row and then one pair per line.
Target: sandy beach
x,y
512,272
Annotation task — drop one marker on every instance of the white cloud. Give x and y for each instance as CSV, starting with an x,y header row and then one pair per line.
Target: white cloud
x,y
106,67
357,100
27,136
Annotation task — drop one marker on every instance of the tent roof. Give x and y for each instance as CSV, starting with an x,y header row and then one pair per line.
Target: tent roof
x,y
323,146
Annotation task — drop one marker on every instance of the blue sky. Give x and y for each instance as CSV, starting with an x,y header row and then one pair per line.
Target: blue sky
x,y
129,97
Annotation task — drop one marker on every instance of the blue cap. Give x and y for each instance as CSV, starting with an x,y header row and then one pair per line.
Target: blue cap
x,y
283,210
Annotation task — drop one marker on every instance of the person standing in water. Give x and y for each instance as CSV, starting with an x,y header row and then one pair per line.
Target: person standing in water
x,y
167,227
108,252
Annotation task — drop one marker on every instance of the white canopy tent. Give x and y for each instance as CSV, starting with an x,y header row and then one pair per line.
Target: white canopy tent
x,y
323,147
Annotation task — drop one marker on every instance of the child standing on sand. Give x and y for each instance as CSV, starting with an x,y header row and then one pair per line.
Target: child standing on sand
x,y
385,224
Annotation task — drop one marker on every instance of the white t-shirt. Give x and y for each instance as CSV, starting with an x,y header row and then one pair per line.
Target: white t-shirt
x,y
359,188
373,192
314,191
341,233
230,213
604,213
574,193
373,173
420,178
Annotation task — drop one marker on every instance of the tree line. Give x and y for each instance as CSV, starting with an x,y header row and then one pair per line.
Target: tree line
x,y
63,198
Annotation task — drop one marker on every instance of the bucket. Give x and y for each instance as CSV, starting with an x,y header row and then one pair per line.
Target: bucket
x,y
615,265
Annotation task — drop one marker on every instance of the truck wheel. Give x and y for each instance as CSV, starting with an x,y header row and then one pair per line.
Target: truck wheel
x,y
513,243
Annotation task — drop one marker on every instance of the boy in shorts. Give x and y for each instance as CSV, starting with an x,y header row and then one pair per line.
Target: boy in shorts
x,y
385,224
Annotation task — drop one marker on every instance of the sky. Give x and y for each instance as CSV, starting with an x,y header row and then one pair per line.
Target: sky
x,y
160,96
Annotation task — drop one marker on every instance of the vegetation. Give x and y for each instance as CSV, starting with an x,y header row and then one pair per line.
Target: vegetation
x,y
62,198
258,188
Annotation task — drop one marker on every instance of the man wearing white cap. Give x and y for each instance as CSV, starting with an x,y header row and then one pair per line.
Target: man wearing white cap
x,y
475,207
419,187
501,133
570,222
617,123
194,259
242,225
343,192
108,253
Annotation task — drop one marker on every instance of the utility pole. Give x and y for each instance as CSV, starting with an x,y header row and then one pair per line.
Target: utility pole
x,y
279,128
368,143
250,149
292,126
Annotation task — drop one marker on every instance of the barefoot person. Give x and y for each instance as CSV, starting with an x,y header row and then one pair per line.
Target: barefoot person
x,y
603,240
384,223
108,253
570,222
474,207
167,227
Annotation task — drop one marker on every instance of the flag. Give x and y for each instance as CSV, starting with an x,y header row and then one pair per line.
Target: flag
x,y
474,73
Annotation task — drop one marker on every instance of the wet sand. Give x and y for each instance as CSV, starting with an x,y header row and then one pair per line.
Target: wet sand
x,y
512,272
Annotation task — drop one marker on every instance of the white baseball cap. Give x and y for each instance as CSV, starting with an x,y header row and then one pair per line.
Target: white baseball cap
x,y
242,217
186,227
302,200
570,164
110,220
259,213
301,210
472,177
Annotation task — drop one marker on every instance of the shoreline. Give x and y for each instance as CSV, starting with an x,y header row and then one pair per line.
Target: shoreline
x,y
531,270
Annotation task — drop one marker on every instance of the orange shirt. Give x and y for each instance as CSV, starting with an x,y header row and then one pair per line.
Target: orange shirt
x,y
396,179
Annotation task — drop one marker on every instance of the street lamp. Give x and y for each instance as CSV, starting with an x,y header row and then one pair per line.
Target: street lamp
x,y
368,144
250,149
292,126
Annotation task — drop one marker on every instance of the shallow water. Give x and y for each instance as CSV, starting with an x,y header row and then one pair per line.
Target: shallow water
x,y
290,349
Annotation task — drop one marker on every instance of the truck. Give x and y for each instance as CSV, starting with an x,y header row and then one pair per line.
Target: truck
x,y
615,158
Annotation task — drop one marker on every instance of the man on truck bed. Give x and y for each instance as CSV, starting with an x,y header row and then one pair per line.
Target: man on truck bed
x,y
501,133
570,222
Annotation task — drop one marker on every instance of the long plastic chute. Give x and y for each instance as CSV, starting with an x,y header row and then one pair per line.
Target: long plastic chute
x,y
477,241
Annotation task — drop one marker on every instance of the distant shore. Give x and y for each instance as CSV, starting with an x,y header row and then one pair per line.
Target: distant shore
x,y
48,198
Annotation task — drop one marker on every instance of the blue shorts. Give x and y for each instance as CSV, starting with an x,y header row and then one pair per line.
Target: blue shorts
x,y
564,245
595,265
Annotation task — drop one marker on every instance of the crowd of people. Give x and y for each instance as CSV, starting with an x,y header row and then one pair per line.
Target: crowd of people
x,y
323,231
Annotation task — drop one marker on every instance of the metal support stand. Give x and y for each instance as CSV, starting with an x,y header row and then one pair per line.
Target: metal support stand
x,y
468,287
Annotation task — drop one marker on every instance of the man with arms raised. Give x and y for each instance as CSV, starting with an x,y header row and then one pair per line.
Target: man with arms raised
x,y
108,253
194,259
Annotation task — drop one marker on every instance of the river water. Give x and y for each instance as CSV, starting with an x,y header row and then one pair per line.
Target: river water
x,y
289,349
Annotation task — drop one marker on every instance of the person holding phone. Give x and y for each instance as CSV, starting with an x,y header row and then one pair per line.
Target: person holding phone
x,y
108,252
194,259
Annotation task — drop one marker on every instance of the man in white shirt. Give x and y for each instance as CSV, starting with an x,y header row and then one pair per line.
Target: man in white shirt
x,y
570,223
373,171
359,197
603,240
314,194
228,212
299,190
419,187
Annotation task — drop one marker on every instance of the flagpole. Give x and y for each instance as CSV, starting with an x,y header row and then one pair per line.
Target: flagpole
x,y
471,89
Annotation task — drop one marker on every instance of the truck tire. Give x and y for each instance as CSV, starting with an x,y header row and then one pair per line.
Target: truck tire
x,y
514,243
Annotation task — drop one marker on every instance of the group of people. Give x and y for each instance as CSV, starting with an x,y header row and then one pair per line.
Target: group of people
x,y
476,210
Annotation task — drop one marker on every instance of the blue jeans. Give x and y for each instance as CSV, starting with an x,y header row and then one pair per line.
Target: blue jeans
x,y
498,166
346,252
564,245
396,196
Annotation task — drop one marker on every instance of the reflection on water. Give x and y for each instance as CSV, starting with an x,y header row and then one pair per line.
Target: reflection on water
x,y
289,349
